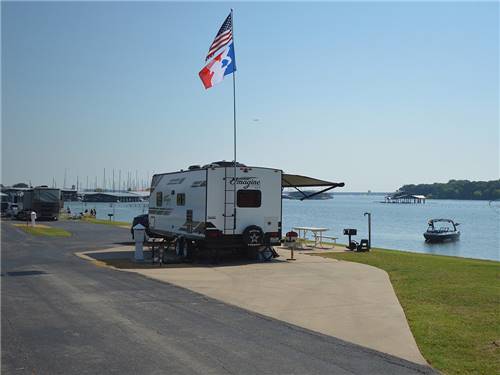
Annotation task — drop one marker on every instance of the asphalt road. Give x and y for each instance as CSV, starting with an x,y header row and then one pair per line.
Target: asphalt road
x,y
63,315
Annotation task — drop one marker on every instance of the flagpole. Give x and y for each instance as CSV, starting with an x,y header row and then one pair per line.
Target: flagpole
x,y
234,128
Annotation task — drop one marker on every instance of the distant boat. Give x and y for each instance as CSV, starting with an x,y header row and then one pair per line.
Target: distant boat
x,y
442,233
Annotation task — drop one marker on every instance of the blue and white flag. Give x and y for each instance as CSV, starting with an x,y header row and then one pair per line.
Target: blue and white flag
x,y
222,65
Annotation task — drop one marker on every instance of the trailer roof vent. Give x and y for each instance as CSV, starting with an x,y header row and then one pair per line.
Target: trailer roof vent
x,y
193,167
223,163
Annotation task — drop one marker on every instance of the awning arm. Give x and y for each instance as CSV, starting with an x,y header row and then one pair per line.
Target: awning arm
x,y
296,188
301,192
319,192
296,181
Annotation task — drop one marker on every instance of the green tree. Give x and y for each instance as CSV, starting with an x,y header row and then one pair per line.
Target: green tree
x,y
477,194
20,185
456,189
496,194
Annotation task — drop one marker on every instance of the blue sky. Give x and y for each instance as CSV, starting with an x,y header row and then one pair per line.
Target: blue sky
x,y
373,94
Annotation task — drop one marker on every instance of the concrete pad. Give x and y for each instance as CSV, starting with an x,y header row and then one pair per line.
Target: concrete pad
x,y
351,301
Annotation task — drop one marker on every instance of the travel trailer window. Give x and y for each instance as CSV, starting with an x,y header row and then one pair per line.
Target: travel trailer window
x,y
249,198
159,198
181,199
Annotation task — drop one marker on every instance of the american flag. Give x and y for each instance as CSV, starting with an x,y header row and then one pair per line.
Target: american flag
x,y
223,37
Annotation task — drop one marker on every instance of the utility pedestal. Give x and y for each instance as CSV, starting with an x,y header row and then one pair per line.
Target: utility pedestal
x,y
291,238
33,218
139,241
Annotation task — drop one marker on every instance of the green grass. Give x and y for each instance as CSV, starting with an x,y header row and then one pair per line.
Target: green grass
x,y
452,306
45,231
106,222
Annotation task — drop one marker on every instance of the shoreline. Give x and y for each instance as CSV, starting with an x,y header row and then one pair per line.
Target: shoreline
x,y
124,224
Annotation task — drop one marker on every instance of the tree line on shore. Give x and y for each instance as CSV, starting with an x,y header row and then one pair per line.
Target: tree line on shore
x,y
457,189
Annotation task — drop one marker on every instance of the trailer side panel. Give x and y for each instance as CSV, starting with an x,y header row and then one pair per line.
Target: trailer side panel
x,y
177,204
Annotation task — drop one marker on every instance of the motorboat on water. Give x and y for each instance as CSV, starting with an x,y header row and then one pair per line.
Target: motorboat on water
x,y
440,230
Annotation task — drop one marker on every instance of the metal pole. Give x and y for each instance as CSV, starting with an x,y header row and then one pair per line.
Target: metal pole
x,y
234,128
369,229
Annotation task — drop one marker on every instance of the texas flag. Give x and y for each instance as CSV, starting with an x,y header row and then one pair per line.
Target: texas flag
x,y
222,65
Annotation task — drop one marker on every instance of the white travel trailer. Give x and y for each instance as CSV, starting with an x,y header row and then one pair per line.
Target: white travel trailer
x,y
207,208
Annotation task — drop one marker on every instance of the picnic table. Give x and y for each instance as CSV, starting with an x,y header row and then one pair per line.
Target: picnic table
x,y
317,233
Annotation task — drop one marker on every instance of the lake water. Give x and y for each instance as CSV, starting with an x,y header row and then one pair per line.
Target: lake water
x,y
400,226
121,211
394,226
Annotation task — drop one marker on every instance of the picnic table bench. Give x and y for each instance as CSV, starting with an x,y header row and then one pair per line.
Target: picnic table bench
x,y
317,233
334,239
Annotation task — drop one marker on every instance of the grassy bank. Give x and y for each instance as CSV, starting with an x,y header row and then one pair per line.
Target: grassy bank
x,y
44,230
452,306
106,222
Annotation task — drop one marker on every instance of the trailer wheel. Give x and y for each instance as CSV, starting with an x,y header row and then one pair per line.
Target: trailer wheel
x,y
253,236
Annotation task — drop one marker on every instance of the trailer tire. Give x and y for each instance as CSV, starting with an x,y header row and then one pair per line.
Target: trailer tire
x,y
253,236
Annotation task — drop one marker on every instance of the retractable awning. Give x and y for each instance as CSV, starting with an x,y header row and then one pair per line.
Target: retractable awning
x,y
297,181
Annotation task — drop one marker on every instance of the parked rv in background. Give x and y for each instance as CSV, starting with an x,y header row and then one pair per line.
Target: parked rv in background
x,y
4,203
45,201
